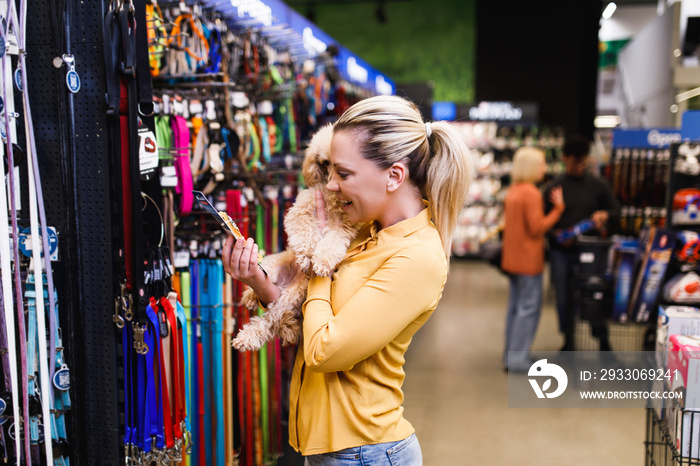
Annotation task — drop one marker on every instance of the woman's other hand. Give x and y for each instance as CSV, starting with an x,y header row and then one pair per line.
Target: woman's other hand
x,y
556,197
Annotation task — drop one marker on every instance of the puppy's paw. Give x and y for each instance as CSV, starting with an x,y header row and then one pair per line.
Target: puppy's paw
x,y
249,299
326,259
304,262
289,332
252,336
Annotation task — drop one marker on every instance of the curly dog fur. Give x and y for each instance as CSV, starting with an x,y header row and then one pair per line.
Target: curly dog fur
x,y
307,248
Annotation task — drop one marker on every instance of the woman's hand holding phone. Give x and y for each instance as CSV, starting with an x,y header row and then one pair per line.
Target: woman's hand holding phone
x,y
240,258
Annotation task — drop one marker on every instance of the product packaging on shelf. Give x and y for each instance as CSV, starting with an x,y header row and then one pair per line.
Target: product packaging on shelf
x,y
656,245
683,416
674,320
624,255
683,289
684,369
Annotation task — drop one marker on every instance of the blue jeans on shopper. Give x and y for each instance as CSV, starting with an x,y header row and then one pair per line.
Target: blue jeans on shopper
x,y
405,452
524,309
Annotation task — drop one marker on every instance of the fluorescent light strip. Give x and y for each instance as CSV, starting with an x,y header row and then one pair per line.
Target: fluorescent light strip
x,y
609,10
606,121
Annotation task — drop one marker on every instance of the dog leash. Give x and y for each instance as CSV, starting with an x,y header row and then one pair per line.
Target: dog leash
x,y
5,351
234,200
195,360
19,24
263,227
245,376
216,288
62,400
205,311
228,370
259,374
181,137
186,318
184,382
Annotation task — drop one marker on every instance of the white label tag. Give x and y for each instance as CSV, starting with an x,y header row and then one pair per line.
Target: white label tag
x,y
181,259
148,152
196,107
11,39
587,257
168,177
178,107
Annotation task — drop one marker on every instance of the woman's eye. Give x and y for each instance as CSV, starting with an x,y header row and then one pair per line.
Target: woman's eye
x,y
342,175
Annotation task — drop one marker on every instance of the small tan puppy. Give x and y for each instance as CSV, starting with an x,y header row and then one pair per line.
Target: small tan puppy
x,y
307,248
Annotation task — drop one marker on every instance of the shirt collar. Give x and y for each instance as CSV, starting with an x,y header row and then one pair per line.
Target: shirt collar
x,y
405,227
397,230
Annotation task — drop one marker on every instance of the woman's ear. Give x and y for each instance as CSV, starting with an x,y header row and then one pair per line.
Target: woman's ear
x,y
396,176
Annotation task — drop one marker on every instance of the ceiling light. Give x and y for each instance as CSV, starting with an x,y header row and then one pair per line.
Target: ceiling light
x,y
606,121
609,10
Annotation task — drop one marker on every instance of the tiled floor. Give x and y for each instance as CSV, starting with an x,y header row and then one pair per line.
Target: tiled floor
x,y
457,393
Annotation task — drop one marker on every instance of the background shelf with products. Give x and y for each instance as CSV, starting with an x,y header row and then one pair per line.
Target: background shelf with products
x,y
492,151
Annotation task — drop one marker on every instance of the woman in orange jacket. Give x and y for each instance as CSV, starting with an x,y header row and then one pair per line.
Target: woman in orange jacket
x,y
523,253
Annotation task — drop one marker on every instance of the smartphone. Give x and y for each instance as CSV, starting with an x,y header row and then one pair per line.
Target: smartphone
x,y
222,217
224,220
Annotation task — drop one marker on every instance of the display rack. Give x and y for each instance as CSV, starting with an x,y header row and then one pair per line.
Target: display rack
x,y
639,174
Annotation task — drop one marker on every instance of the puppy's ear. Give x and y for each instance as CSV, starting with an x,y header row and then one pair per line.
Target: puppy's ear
x,y
317,157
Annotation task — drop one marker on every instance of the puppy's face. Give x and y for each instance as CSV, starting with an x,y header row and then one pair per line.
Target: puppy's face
x,y
317,158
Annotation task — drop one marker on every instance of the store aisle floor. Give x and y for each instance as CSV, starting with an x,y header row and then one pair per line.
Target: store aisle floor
x,y
457,392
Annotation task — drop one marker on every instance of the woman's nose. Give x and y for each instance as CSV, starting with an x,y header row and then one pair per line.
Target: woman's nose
x,y
332,185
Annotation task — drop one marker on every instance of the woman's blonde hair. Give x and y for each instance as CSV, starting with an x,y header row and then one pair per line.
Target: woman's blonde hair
x,y
390,129
527,165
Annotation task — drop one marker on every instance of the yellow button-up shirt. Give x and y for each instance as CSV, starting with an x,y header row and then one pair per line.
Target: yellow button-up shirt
x,y
347,378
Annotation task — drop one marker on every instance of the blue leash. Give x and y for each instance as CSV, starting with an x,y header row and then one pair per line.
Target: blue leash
x,y
216,288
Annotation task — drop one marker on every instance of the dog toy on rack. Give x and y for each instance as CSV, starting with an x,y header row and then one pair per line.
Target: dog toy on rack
x,y
307,248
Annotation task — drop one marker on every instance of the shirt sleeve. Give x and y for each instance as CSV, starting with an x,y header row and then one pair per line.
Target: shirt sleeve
x,y
536,222
404,287
608,202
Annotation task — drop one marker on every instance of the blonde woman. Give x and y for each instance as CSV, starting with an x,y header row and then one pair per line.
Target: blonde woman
x,y
523,253
406,180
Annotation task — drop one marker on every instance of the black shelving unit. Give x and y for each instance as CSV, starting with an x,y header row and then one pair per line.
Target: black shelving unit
x,y
72,148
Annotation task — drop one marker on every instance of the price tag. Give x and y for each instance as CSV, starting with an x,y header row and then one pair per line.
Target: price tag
x,y
61,379
168,177
148,153
181,259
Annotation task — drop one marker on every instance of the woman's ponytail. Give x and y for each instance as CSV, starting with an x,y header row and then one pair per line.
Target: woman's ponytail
x,y
450,172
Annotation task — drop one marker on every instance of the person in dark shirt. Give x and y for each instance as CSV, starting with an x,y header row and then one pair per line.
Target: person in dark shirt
x,y
586,196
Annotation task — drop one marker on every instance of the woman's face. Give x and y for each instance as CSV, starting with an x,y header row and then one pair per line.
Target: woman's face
x,y
360,185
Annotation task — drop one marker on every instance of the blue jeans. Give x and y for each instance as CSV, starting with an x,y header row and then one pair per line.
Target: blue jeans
x,y
524,309
405,452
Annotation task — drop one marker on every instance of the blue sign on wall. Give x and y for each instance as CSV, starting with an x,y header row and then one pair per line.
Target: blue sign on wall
x,y
444,111
690,125
650,138
280,23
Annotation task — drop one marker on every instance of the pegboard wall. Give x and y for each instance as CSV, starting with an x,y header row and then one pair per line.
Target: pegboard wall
x,y
73,151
